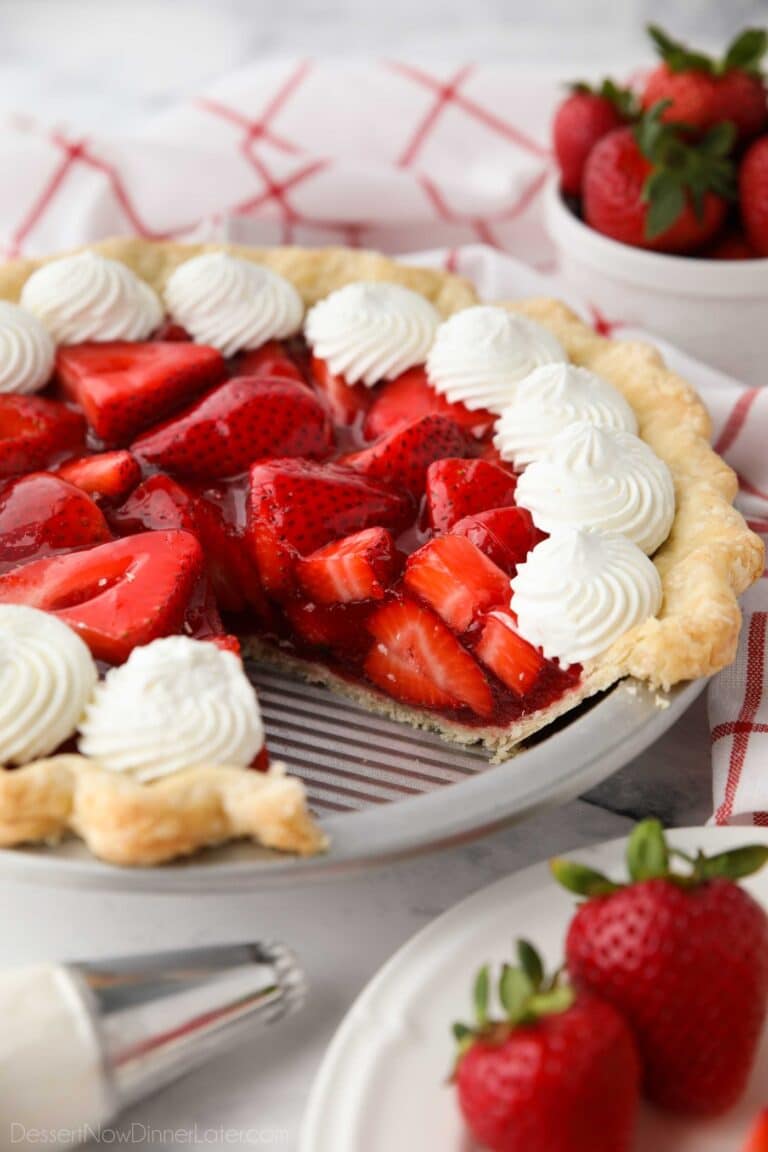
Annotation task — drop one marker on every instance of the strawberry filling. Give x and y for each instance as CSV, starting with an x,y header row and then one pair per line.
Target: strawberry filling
x,y
373,530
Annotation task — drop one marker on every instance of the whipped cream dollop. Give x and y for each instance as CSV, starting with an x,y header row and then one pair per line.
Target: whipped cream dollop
x,y
482,353
578,592
232,304
88,297
367,332
26,350
176,703
47,675
593,478
550,399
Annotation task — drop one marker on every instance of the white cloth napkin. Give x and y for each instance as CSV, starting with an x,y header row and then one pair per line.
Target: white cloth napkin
x,y
395,156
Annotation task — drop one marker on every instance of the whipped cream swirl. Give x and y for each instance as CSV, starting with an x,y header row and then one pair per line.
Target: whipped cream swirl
x,y
550,399
47,674
26,350
481,354
176,703
88,297
579,592
232,304
593,478
367,332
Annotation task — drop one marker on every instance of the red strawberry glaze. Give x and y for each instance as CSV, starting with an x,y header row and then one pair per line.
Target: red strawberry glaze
x,y
381,447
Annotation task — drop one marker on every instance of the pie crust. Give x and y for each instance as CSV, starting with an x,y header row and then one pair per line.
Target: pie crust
x,y
710,557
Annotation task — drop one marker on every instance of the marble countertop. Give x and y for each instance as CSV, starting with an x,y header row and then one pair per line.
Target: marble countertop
x,y
107,66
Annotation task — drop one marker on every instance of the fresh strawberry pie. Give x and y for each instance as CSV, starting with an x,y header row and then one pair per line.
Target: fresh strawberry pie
x,y
468,517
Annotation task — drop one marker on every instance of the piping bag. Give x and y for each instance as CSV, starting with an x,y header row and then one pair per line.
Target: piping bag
x,y
82,1041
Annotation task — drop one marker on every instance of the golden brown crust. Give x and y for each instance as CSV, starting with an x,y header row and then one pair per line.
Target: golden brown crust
x,y
710,557
128,823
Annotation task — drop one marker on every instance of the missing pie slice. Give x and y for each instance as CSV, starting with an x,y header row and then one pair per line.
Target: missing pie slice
x,y
468,518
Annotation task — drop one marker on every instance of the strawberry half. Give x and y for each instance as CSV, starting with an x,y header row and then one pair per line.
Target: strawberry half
x,y
117,595
511,658
457,580
269,361
411,396
240,421
123,387
346,402
34,432
295,507
505,535
158,504
41,515
403,457
457,488
416,659
109,475
359,567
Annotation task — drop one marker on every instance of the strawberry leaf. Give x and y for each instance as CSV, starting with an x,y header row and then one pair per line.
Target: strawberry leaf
x,y
732,865
480,996
579,879
678,57
647,853
746,52
530,962
515,990
558,999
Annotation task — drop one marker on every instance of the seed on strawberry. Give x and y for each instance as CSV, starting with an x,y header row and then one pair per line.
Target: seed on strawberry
x,y
417,660
240,421
558,1071
458,488
457,580
583,118
123,387
34,433
683,955
753,195
401,458
700,91
646,186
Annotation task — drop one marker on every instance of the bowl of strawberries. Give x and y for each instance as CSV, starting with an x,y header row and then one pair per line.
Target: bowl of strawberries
x,y
659,211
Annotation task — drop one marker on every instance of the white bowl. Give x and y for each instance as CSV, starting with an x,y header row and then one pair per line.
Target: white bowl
x,y
715,309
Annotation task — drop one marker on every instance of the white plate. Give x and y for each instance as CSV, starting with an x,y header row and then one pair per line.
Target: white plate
x,y
382,1084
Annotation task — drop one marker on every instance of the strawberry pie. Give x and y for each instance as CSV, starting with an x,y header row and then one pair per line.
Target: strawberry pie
x,y
467,517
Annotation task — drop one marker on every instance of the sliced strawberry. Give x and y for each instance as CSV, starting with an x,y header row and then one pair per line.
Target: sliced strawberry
x,y
505,535
338,627
123,387
267,362
160,503
358,567
35,432
240,421
411,396
41,515
402,458
417,660
457,488
111,475
456,579
502,649
117,595
347,403
295,507
170,332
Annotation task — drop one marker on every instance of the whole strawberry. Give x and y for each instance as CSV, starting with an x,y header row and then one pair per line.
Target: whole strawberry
x,y
583,118
753,195
701,91
559,1073
650,187
684,958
